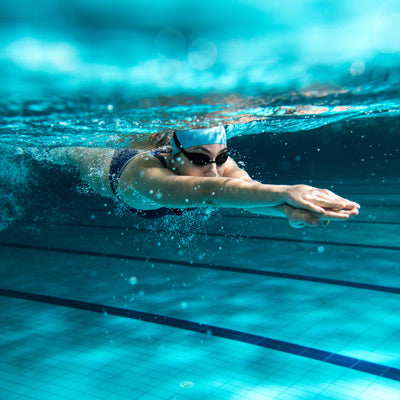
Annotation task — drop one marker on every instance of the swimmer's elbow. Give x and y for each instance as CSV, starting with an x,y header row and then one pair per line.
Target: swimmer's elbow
x,y
201,194
213,192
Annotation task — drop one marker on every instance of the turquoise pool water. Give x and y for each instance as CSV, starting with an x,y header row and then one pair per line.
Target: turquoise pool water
x,y
215,304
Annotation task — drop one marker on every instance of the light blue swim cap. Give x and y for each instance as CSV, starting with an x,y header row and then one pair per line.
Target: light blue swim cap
x,y
198,137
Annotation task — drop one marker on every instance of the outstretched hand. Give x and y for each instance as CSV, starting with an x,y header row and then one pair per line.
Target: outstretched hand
x,y
325,204
299,218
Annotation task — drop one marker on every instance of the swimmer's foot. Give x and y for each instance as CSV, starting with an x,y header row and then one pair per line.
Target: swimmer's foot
x,y
59,156
37,153
55,155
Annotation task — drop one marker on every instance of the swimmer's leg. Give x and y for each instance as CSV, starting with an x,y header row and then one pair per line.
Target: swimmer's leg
x,y
92,163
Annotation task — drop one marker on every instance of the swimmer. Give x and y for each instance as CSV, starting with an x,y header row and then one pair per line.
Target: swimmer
x,y
195,170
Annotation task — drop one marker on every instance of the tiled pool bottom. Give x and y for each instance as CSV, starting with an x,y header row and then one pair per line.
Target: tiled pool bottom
x,y
317,291
53,352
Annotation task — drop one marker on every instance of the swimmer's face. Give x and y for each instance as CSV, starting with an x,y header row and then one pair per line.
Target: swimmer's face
x,y
181,165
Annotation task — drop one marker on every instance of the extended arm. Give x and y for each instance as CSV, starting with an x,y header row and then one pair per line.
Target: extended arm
x,y
162,186
297,217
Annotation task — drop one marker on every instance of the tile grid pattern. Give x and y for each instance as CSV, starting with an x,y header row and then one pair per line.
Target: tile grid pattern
x,y
136,360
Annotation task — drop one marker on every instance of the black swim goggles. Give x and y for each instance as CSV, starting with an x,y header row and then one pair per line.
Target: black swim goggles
x,y
200,158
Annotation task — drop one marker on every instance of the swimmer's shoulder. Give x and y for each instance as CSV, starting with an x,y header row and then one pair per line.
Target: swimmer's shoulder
x,y
152,158
145,163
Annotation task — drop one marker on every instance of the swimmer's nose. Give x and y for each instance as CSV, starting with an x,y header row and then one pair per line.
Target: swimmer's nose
x,y
212,170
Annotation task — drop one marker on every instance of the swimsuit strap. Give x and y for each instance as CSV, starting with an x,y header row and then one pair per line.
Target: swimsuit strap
x,y
158,155
119,162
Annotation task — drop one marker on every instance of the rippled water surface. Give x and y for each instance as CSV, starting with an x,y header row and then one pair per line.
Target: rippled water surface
x,y
84,120
101,74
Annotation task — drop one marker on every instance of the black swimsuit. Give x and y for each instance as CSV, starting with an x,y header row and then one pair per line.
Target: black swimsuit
x,y
118,164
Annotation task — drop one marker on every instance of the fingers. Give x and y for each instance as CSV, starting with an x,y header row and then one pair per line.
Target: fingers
x,y
336,203
334,215
307,205
332,199
321,202
300,218
351,204
328,211
332,204
328,199
310,214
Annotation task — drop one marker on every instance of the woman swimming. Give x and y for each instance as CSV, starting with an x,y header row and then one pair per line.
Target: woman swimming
x,y
198,172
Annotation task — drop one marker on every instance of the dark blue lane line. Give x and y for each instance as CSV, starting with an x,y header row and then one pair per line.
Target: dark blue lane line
x,y
241,236
281,275
257,340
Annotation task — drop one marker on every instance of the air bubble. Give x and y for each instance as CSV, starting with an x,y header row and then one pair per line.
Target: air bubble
x,y
132,280
184,305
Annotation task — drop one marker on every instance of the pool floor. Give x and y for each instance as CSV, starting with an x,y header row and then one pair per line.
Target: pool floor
x,y
99,306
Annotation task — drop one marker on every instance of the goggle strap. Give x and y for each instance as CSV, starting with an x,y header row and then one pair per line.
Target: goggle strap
x,y
177,142
179,146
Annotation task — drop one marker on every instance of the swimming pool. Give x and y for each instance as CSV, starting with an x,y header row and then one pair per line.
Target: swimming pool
x,y
214,304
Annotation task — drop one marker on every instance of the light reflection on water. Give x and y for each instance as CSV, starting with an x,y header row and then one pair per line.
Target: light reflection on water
x,y
87,121
175,47
121,73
